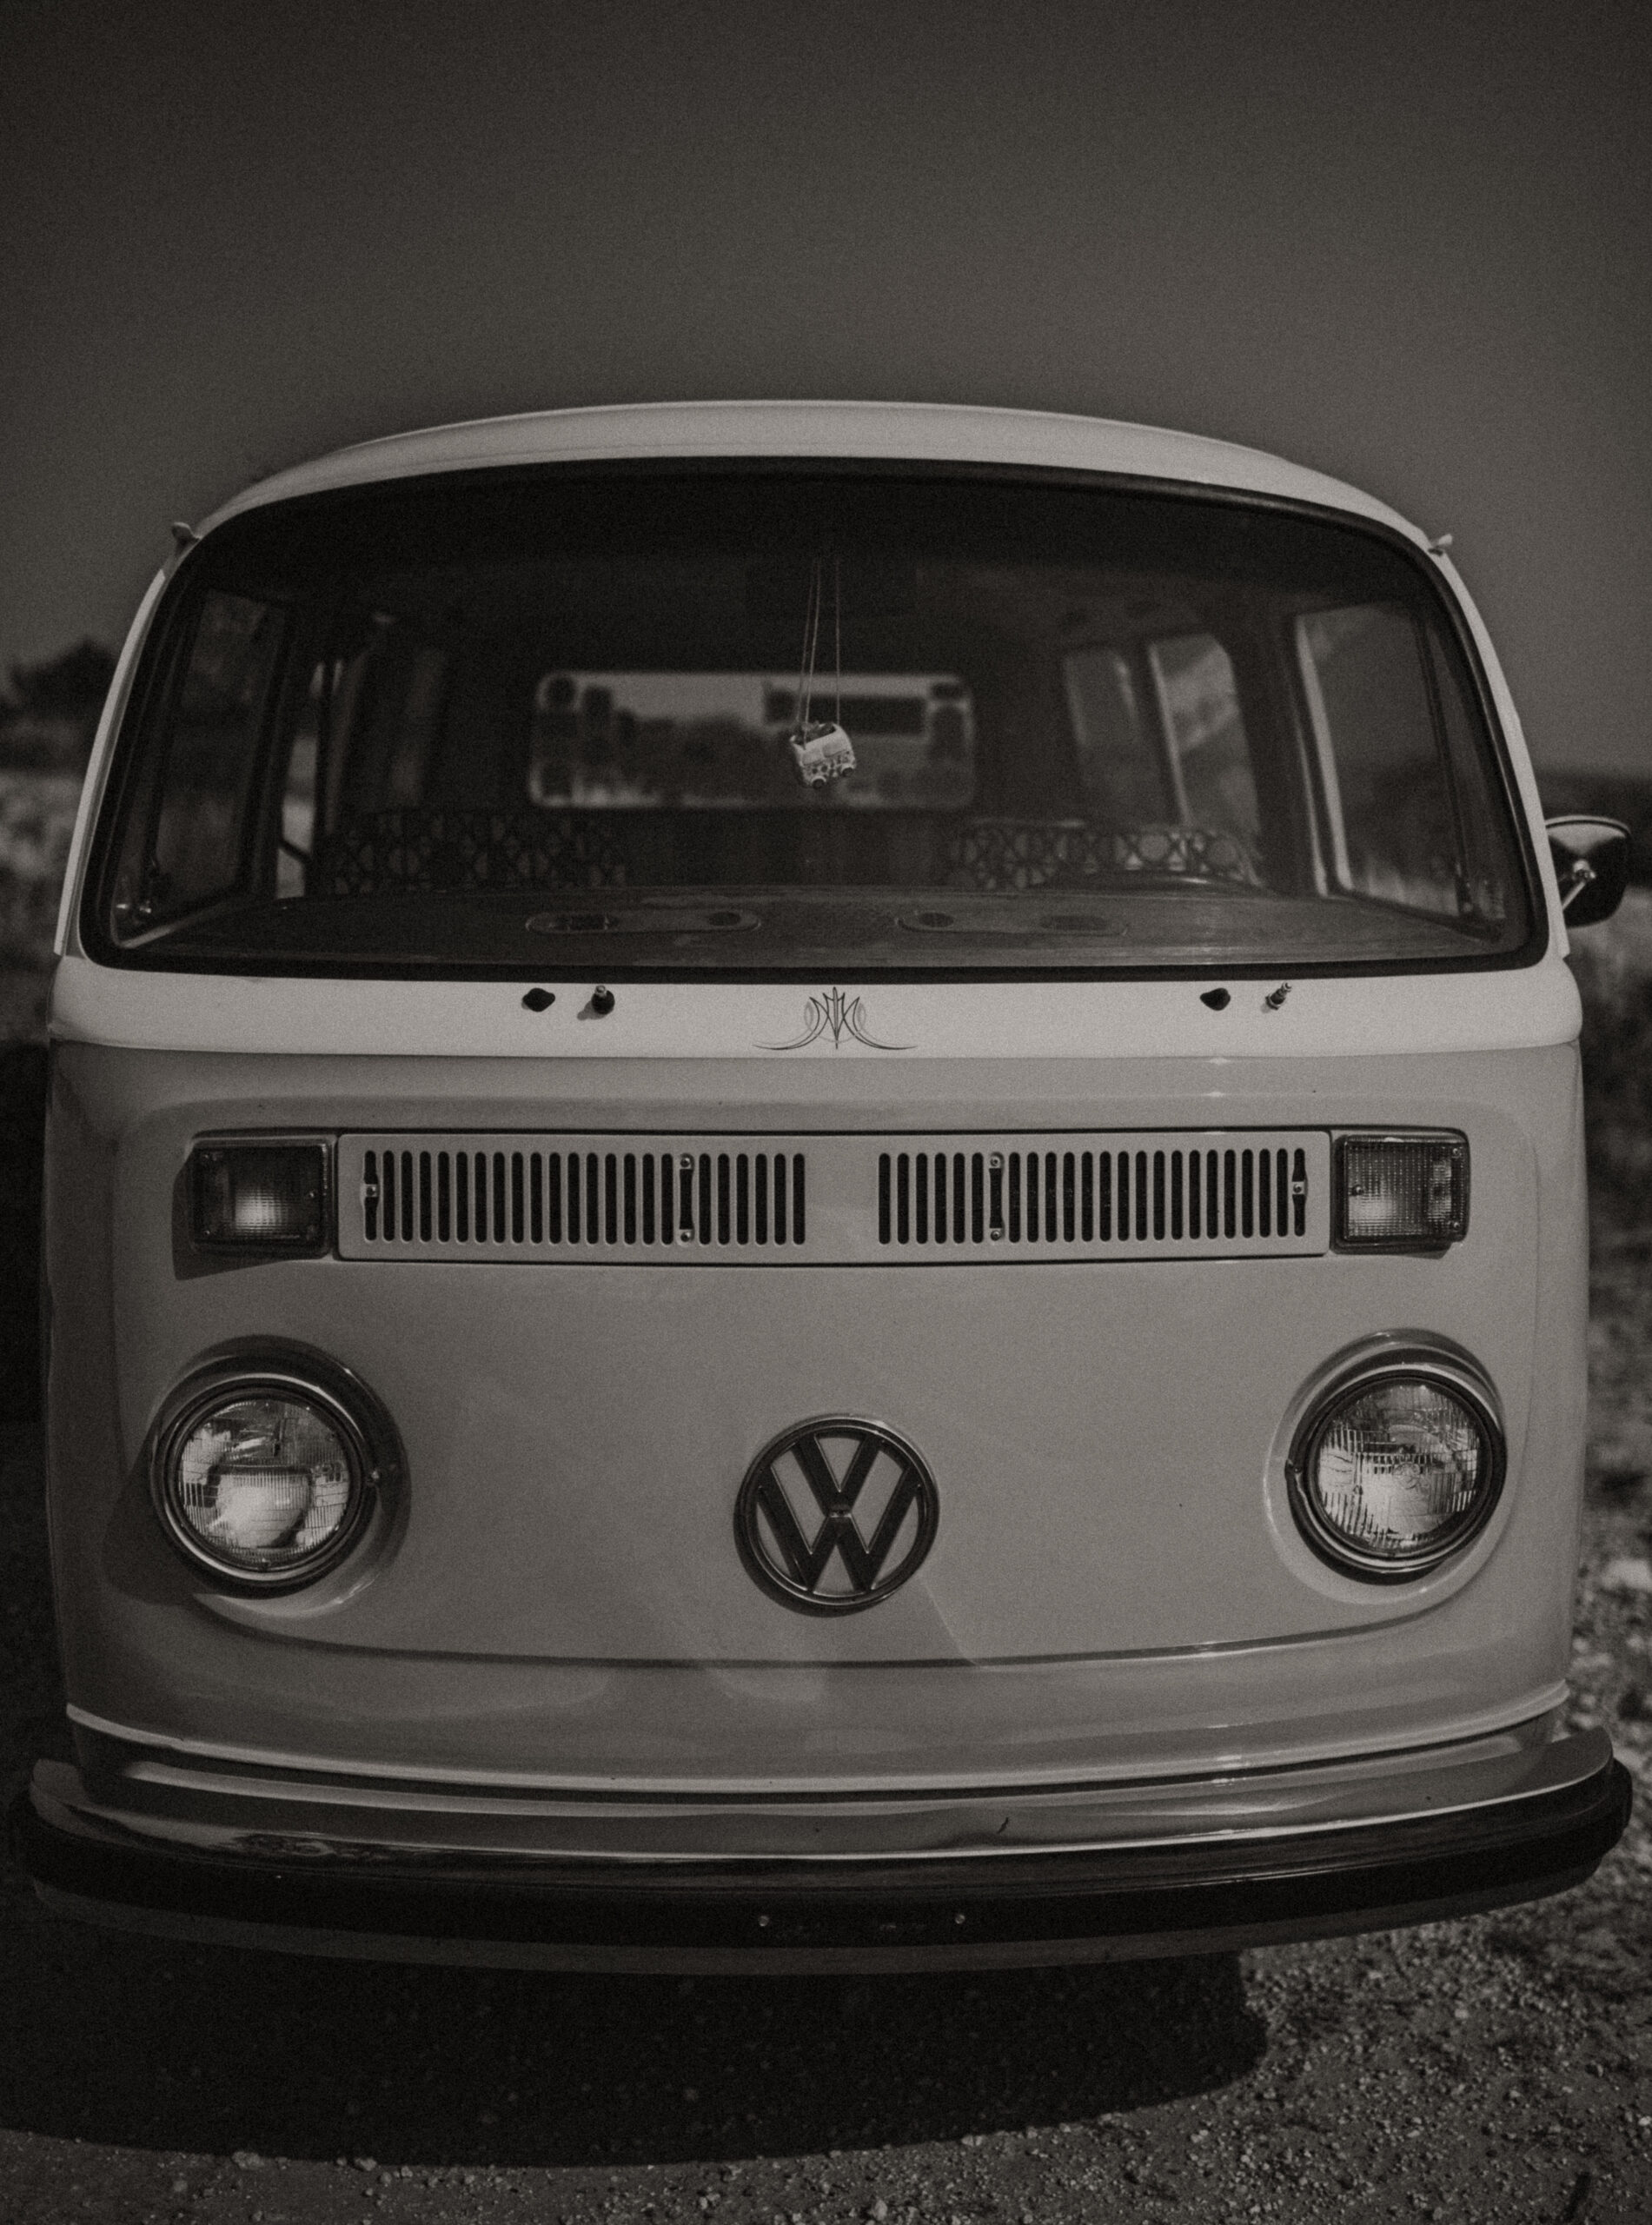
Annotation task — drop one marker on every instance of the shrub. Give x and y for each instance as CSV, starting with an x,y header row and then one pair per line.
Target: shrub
x,y
1614,968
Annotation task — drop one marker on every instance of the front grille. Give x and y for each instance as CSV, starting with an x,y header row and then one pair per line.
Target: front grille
x,y
1120,1197
484,1198
833,1200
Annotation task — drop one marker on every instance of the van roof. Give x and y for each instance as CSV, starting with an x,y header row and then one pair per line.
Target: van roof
x,y
901,431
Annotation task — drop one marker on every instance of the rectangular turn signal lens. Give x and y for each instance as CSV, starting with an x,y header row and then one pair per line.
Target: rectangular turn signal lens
x,y
1400,1193
263,1197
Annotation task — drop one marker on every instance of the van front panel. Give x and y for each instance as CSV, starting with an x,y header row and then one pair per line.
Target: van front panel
x,y
1116,1551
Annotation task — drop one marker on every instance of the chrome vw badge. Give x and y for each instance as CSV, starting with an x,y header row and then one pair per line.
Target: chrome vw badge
x,y
835,1515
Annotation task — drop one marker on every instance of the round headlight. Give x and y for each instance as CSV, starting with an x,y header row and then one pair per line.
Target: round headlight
x,y
263,1477
1396,1471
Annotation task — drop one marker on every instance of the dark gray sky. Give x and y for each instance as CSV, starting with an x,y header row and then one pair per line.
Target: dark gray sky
x,y
1410,244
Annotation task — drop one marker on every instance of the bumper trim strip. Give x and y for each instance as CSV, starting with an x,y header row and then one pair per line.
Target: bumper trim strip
x,y
1202,1896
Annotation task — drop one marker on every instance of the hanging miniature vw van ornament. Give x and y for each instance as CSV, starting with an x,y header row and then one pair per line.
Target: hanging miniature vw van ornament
x,y
823,752
677,1343
820,748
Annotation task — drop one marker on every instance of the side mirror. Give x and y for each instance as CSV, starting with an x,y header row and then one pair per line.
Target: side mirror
x,y
1591,864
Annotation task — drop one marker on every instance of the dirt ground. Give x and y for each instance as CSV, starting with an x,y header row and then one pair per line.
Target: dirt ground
x,y
1494,2068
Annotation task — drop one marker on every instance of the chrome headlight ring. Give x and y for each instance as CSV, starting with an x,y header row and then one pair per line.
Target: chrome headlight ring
x,y
259,1386
1457,1384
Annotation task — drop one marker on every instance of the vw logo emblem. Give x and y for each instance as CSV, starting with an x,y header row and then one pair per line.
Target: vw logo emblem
x,y
835,1515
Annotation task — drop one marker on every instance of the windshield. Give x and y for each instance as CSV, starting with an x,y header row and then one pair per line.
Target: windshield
x,y
778,720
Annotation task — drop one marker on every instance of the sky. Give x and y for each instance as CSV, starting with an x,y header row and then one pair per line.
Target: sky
x,y
1407,241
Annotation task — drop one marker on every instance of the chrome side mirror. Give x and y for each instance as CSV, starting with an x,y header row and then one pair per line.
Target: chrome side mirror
x,y
1591,864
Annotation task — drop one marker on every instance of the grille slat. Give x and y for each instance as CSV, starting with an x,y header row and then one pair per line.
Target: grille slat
x,y
834,1198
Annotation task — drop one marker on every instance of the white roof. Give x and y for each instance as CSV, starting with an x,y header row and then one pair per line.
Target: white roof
x,y
906,431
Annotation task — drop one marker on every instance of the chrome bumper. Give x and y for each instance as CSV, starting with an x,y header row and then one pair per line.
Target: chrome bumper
x,y
146,1839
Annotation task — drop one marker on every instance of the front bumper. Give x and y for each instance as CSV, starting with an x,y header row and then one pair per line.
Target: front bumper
x,y
241,1855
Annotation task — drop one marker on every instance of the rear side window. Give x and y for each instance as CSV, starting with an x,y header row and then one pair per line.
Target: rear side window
x,y
1123,771
1210,756
1161,737
773,720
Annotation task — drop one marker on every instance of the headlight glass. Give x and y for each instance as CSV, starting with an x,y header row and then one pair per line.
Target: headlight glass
x,y
1392,1475
264,1482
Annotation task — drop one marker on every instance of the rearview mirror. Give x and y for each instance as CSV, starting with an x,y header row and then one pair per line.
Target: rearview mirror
x,y
1591,864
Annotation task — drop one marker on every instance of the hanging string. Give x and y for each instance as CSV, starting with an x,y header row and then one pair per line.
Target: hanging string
x,y
810,640
837,632
807,666
822,750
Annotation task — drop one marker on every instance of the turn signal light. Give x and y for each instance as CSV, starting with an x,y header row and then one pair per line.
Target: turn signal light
x,y
1400,1193
260,1196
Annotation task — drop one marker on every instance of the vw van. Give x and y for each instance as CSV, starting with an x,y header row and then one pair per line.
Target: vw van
x,y
815,1198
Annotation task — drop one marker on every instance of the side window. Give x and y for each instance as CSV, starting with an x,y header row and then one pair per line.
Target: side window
x,y
1210,752
1121,769
199,824
1486,891
1394,820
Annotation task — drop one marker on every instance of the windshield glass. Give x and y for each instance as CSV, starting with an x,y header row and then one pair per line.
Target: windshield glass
x,y
782,721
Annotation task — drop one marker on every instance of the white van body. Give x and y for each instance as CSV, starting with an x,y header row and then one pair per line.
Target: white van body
x,y
806,1411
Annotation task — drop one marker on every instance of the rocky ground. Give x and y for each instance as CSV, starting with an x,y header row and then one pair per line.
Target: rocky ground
x,y
1494,2068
